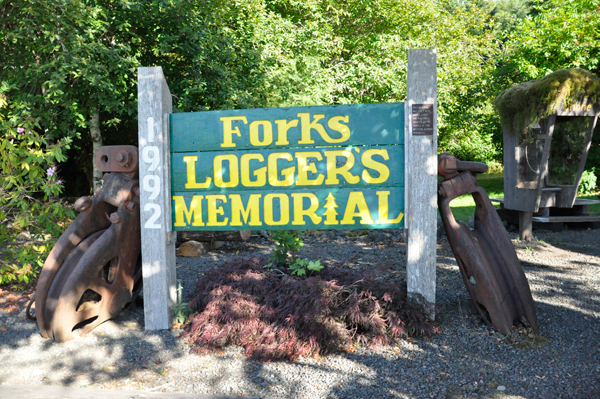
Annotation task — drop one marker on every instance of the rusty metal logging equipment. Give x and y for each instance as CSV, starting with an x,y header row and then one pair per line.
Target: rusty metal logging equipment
x,y
94,270
485,255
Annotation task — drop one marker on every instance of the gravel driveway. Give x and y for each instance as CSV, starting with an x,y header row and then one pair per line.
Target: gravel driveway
x,y
468,359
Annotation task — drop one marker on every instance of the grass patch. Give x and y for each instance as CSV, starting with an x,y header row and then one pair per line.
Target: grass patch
x,y
592,209
528,341
463,207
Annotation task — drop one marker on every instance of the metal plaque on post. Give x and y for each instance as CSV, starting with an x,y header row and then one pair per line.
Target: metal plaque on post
x,y
422,119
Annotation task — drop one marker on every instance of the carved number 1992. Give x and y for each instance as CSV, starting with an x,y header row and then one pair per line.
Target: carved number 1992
x,y
151,182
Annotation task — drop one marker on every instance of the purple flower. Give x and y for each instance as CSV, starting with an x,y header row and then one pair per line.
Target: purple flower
x,y
59,182
20,130
51,170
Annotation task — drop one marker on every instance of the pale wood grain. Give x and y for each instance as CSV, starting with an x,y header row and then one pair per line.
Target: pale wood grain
x,y
421,182
158,244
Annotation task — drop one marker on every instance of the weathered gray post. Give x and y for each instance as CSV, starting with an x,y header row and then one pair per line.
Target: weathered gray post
x,y
158,239
421,176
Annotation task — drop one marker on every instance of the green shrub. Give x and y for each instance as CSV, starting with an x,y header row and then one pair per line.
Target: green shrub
x,y
31,216
588,181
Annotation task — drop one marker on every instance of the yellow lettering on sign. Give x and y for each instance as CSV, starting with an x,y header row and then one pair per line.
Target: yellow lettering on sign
x,y
284,209
234,177
261,173
357,206
182,213
307,126
229,131
384,209
214,209
335,123
282,128
304,166
252,211
191,174
300,212
368,162
267,129
579,107
288,173
344,170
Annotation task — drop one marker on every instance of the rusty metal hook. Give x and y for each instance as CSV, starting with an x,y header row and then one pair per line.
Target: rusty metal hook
x,y
94,269
485,255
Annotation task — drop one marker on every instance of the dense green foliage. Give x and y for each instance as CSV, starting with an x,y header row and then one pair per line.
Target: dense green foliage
x,y
324,52
588,181
31,219
563,34
63,62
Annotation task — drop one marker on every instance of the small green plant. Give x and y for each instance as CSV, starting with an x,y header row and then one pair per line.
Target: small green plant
x,y
302,265
286,251
180,310
287,247
588,181
529,250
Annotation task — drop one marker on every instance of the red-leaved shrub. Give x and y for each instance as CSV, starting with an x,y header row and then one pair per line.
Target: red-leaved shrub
x,y
277,316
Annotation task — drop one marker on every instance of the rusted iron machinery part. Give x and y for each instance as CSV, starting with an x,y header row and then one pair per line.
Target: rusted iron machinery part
x,y
96,280
117,158
487,260
94,270
93,217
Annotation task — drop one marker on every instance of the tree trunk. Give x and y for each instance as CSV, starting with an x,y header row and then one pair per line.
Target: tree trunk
x,y
96,144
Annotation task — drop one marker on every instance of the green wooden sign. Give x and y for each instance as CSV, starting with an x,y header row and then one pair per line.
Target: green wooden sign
x,y
325,167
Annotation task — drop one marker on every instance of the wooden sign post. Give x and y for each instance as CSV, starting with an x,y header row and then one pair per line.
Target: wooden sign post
x,y
421,177
158,238
322,167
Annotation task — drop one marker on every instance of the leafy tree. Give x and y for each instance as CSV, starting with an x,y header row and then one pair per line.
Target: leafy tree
x,y
60,57
509,13
206,48
562,34
355,51
69,68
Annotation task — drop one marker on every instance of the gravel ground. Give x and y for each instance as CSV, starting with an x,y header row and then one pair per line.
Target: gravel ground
x,y
468,359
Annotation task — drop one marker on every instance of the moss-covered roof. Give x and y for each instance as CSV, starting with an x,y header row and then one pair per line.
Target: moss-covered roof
x,y
527,103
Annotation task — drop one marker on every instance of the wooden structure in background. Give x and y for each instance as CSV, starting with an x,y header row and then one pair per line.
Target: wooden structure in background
x,y
543,169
